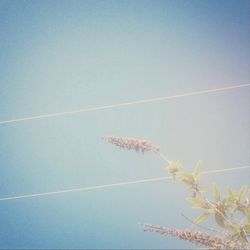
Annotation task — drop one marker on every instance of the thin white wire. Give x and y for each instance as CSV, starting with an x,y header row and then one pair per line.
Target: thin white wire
x,y
82,189
201,92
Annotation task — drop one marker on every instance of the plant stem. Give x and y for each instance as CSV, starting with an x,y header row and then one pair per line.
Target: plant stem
x,y
164,157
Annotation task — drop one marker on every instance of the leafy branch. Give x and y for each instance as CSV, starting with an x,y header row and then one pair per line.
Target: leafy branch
x,y
231,212
225,209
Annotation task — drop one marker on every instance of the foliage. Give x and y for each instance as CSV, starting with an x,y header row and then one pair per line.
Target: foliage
x,y
231,211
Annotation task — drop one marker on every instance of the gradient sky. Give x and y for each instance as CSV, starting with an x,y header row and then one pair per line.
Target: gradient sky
x,y
58,56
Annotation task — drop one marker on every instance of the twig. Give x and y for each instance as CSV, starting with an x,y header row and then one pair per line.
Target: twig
x,y
164,157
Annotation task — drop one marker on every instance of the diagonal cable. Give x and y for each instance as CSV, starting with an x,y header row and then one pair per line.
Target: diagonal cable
x,y
157,99
90,188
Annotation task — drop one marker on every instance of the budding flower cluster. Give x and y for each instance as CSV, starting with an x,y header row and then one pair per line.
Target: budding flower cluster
x,y
197,238
132,143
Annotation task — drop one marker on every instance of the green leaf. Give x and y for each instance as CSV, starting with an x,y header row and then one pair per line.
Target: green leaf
x,y
198,203
233,197
201,190
201,218
187,177
173,167
210,210
216,192
242,191
235,227
247,228
197,172
230,193
178,164
189,183
219,219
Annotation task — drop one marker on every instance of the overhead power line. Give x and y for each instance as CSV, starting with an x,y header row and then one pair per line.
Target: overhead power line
x,y
157,99
90,188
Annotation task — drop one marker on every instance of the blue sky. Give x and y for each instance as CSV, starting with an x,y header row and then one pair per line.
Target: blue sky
x,y
63,55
